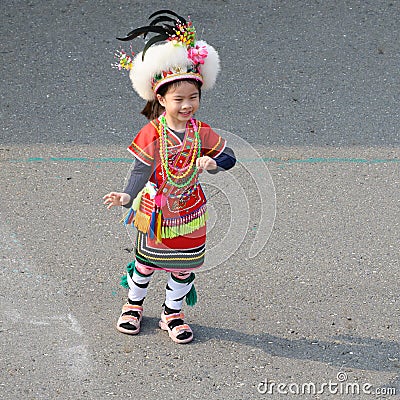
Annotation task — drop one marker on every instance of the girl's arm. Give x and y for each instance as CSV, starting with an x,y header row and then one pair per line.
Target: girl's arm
x,y
139,176
226,160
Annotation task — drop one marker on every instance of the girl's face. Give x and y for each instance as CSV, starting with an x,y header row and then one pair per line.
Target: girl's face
x,y
180,103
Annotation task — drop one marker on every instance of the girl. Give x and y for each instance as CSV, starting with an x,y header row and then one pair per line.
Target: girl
x,y
166,202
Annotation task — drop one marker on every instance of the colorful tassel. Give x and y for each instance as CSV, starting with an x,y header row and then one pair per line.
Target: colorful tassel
x,y
173,229
153,223
124,282
191,297
125,218
142,221
129,270
160,200
159,226
131,216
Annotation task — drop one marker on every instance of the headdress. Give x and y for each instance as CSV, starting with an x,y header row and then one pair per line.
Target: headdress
x,y
180,57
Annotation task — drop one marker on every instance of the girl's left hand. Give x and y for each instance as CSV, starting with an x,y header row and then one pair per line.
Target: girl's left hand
x,y
206,163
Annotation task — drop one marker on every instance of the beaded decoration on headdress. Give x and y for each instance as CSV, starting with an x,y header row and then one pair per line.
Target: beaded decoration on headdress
x,y
124,60
181,56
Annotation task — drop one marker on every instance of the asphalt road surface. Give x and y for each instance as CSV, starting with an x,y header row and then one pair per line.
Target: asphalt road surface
x,y
299,296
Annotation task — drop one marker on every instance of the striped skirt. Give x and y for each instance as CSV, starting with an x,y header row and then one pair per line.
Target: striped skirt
x,y
179,253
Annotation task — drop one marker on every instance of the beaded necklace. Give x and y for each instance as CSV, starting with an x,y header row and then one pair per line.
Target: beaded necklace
x,y
164,156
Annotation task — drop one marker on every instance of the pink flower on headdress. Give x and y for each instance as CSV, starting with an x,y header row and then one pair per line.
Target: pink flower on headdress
x,y
197,54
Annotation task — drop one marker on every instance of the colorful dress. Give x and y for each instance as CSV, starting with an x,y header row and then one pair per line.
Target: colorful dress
x,y
170,213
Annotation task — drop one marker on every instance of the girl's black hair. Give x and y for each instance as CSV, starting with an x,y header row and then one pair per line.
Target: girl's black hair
x,y
153,109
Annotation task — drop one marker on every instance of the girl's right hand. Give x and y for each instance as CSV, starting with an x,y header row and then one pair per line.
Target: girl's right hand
x,y
116,199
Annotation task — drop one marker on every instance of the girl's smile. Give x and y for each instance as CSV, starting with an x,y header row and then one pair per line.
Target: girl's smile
x,y
180,103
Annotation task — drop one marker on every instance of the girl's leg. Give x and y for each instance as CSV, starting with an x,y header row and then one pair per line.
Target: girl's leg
x,y
178,286
138,283
131,315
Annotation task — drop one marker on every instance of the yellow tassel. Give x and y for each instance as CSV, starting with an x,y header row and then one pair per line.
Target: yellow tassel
x,y
142,221
158,227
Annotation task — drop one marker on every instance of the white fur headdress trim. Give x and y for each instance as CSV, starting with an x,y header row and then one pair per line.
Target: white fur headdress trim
x,y
171,56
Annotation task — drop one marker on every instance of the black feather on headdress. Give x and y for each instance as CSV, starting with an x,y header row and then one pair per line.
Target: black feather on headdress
x,y
178,17
181,30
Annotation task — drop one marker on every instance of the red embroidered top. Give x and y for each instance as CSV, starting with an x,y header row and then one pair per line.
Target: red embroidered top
x,y
145,145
